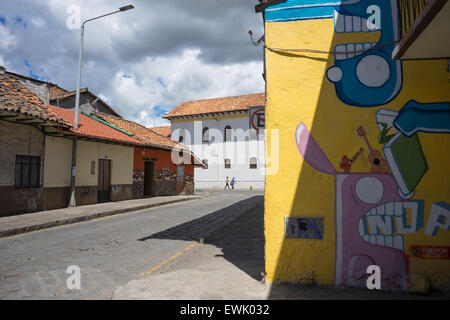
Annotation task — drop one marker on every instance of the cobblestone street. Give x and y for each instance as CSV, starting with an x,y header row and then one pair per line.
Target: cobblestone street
x,y
110,251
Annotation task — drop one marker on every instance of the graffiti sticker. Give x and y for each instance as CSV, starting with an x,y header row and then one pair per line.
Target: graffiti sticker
x,y
304,228
430,252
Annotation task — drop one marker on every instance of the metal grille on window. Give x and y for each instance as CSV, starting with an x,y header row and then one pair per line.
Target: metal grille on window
x,y
181,136
205,134
27,172
253,134
227,163
227,133
253,163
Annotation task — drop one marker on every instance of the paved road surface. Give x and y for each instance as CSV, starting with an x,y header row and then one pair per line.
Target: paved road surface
x,y
110,251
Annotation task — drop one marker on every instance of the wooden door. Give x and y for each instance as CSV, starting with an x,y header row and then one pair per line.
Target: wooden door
x,y
149,172
104,181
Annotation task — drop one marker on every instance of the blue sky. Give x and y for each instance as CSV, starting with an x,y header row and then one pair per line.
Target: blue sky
x,y
144,61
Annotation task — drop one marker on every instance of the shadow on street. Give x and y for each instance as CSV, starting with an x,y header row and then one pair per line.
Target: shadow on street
x,y
238,230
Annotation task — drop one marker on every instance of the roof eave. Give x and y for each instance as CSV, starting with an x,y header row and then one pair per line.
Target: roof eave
x,y
214,113
265,3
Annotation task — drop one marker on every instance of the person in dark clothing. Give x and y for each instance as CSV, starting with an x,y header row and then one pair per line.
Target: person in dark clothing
x,y
227,184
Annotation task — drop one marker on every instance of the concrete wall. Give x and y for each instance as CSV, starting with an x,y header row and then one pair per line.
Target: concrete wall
x,y
17,139
42,90
240,149
57,168
327,217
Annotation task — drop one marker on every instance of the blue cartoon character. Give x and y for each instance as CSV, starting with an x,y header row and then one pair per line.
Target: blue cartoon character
x,y
364,74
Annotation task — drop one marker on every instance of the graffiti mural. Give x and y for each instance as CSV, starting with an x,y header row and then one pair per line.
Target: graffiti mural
x,y
364,74
372,218
390,212
358,197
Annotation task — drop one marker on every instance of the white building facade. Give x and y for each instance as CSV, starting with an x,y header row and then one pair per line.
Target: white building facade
x,y
225,139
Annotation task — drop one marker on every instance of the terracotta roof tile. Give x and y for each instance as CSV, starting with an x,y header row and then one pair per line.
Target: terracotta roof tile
x,y
62,94
140,132
164,131
56,92
218,105
17,98
92,128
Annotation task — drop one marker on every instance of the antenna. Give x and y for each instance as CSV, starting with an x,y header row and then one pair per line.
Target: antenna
x,y
257,43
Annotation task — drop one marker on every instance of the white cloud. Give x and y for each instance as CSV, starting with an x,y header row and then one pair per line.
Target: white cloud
x,y
167,81
38,22
7,40
142,62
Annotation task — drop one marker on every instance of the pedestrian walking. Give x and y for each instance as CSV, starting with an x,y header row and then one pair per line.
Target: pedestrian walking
x,y
233,182
227,184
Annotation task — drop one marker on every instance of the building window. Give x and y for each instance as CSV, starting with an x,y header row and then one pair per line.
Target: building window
x,y
253,163
253,134
92,167
227,133
205,162
181,154
227,163
181,136
28,172
205,134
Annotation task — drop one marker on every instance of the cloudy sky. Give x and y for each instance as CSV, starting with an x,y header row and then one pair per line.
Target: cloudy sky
x,y
142,62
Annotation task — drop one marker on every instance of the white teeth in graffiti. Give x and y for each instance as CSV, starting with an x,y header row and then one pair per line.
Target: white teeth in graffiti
x,y
344,23
347,51
379,225
386,241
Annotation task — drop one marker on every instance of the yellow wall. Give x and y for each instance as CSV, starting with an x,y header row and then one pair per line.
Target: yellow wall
x,y
298,91
58,159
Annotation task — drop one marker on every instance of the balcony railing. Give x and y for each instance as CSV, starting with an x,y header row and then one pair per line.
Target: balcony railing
x,y
409,11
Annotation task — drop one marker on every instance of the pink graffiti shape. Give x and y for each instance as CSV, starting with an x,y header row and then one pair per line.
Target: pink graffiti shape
x,y
311,152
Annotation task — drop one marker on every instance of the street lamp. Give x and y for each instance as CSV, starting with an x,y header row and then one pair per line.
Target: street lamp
x,y
72,202
80,60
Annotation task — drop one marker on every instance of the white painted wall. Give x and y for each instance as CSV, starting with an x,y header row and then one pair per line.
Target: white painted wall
x,y
240,149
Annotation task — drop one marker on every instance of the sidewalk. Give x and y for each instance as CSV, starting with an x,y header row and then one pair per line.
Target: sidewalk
x,y
24,223
229,266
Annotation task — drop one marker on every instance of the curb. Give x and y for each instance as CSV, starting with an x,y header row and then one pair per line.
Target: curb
x,y
51,224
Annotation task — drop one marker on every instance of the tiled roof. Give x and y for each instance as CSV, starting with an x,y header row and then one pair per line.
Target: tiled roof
x,y
66,94
164,131
218,105
92,128
56,92
15,97
140,132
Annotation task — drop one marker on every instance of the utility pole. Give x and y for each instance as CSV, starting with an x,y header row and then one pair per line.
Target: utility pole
x,y
72,202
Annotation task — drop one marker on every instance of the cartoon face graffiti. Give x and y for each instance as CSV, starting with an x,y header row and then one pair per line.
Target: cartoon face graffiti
x,y
364,74
371,219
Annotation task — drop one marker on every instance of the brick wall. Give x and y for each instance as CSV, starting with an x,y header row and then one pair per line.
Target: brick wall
x,y
17,139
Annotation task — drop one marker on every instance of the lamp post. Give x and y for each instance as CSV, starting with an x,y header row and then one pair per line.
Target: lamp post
x,y
72,202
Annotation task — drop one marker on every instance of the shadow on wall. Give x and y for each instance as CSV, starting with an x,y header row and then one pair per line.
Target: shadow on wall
x,y
365,177
237,229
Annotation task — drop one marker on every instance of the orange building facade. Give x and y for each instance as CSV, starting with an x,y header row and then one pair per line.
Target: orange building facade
x,y
156,174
